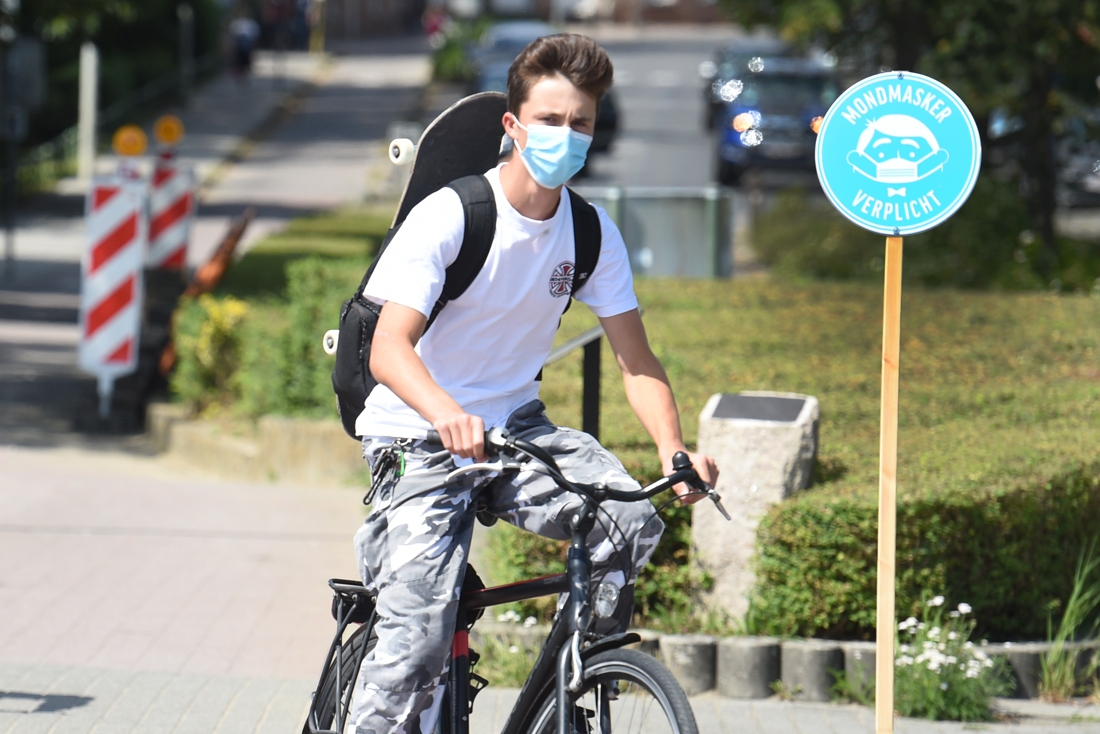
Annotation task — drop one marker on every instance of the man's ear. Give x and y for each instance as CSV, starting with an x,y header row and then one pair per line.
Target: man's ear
x,y
509,122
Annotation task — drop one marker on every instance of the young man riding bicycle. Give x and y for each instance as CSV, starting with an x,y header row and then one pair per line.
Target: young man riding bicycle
x,y
478,367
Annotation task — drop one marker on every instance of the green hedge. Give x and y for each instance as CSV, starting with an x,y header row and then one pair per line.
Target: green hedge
x,y
664,592
987,244
267,357
1010,554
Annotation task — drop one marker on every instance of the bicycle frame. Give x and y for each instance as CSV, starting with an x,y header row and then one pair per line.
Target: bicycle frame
x,y
560,660
554,658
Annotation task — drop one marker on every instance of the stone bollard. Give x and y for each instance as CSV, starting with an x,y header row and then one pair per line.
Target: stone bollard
x,y
765,445
805,665
859,669
747,666
691,658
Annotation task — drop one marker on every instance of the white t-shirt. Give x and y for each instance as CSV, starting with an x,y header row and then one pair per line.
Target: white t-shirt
x,y
487,346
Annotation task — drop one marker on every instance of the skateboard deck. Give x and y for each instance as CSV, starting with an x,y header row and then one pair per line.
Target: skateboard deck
x,y
464,140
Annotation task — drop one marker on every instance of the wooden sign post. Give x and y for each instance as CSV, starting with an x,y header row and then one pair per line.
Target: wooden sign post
x,y
888,490
897,153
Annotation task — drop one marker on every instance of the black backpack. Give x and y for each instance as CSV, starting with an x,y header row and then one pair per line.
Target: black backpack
x,y
351,377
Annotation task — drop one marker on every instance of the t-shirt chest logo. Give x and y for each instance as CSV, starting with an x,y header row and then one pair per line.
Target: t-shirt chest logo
x,y
561,280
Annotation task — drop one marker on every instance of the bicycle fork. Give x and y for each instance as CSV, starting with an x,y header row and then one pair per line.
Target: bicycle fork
x,y
578,615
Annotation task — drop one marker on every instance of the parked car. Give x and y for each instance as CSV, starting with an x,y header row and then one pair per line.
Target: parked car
x,y
498,48
768,124
730,63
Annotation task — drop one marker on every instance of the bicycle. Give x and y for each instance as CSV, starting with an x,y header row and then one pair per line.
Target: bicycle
x,y
581,682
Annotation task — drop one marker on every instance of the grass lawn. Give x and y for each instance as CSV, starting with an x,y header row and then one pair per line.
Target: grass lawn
x,y
994,386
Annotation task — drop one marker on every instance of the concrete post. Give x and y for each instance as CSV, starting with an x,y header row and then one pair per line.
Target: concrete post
x,y
765,445
692,659
747,666
89,105
859,666
805,668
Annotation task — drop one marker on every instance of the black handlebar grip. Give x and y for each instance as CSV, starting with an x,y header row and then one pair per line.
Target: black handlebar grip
x,y
680,461
433,437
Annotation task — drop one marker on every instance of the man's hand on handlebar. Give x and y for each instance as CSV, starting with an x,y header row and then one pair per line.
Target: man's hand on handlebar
x,y
463,435
704,467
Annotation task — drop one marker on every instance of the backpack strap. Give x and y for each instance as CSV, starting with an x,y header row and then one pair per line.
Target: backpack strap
x,y
587,238
480,210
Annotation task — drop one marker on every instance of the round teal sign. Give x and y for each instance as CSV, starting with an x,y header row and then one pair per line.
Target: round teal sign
x,y
898,153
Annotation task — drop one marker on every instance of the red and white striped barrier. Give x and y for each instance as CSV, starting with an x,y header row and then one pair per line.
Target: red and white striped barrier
x,y
171,206
111,281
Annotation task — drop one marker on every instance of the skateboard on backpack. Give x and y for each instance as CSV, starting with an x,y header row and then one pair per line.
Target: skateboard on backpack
x,y
462,141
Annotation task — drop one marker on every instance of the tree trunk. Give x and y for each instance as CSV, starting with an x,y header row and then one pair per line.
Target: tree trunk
x,y
1039,172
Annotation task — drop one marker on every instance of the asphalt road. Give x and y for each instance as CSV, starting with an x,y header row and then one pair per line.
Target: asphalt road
x,y
661,140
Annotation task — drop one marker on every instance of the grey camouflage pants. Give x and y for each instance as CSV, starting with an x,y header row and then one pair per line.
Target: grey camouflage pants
x,y
413,548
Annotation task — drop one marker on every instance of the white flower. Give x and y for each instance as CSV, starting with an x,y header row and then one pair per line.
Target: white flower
x,y
903,648
964,608
510,616
953,614
530,622
952,636
951,660
904,660
943,686
908,624
934,633
513,649
936,601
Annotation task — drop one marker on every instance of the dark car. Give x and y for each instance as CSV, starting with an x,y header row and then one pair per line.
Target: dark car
x,y
769,122
499,46
731,63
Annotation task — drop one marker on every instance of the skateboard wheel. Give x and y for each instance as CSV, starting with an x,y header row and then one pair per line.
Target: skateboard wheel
x,y
402,151
332,338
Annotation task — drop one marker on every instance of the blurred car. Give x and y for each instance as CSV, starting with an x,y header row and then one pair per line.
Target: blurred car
x,y
768,123
1077,156
493,56
731,63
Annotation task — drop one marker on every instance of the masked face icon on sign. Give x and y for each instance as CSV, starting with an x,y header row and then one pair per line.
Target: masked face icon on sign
x,y
897,149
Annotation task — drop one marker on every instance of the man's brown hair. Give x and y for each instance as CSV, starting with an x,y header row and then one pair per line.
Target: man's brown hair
x,y
577,58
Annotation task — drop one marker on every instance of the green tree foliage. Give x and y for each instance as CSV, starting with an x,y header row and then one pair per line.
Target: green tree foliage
x,y
1036,58
138,42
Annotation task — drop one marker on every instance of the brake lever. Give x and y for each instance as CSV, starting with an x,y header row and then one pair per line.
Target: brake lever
x,y
717,499
680,461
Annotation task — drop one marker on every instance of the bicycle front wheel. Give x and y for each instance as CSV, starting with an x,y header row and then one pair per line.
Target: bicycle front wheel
x,y
623,691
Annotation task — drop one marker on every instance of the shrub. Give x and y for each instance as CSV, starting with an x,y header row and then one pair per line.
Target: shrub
x,y
664,593
816,555
285,371
939,673
986,244
208,348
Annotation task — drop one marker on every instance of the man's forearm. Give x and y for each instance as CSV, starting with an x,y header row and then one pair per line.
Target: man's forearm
x,y
651,398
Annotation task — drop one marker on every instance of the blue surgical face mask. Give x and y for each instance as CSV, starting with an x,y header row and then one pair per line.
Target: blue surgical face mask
x,y
554,154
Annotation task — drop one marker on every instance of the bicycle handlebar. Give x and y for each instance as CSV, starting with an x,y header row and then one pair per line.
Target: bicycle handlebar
x,y
497,439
